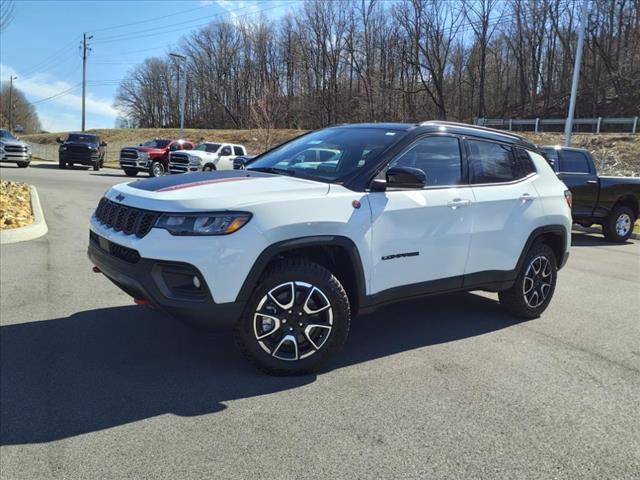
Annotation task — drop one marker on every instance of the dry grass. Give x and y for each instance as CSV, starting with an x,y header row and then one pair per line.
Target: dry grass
x,y
15,205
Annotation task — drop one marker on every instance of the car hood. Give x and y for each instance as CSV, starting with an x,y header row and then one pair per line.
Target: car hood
x,y
146,149
16,143
80,144
206,191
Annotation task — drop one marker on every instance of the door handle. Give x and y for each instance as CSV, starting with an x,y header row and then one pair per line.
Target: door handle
x,y
592,181
525,197
458,202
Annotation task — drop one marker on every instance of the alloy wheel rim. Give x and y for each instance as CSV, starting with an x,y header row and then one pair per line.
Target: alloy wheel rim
x,y
537,281
623,225
158,169
293,321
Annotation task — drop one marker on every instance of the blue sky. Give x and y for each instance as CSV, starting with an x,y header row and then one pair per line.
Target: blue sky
x,y
41,47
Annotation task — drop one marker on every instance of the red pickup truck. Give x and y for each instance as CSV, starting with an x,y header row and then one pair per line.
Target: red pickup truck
x,y
151,156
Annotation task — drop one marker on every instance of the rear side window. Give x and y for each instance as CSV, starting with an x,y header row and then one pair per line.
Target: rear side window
x,y
573,162
438,157
525,164
238,151
492,162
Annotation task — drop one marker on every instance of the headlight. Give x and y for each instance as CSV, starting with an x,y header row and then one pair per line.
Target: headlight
x,y
1,147
62,147
203,223
194,160
143,155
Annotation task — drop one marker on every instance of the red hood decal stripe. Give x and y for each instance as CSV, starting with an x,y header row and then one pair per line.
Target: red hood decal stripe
x,y
202,182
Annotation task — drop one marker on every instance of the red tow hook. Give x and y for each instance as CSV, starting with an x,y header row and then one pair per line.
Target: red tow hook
x,y
96,269
141,301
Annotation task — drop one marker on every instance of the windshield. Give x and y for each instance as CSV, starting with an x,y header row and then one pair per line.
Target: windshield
x,y
208,147
79,138
156,143
329,154
6,134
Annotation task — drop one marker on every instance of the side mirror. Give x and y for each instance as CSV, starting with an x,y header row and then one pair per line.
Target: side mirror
x,y
58,140
103,144
406,177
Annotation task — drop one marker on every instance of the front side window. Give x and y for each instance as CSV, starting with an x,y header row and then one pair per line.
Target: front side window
x,y
491,162
438,157
329,154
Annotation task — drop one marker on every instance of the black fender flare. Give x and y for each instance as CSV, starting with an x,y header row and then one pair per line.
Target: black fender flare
x,y
272,252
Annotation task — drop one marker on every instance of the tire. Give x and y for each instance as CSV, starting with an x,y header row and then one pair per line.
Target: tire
x,y
62,165
535,284
157,169
585,224
208,168
619,225
294,347
96,166
23,164
130,172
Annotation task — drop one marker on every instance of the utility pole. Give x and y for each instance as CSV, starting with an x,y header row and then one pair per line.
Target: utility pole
x,y
11,79
181,93
85,50
568,128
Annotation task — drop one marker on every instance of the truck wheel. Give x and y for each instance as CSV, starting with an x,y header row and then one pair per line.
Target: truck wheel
x,y
208,168
23,164
96,166
619,226
156,169
534,286
61,164
296,320
130,172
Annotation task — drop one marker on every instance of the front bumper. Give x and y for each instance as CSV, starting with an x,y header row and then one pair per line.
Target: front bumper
x,y
15,157
165,285
134,164
79,158
183,168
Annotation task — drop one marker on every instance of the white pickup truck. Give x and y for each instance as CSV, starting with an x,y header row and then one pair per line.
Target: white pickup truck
x,y
207,156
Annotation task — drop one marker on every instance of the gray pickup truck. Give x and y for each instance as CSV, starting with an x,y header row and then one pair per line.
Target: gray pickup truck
x,y
608,201
14,150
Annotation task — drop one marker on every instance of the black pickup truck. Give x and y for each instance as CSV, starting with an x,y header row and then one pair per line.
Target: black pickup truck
x,y
608,201
82,149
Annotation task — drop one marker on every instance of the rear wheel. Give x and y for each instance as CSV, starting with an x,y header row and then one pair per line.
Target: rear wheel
x,y
534,286
619,226
130,172
296,320
157,169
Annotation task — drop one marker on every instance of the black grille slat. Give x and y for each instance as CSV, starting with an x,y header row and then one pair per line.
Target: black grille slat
x,y
129,220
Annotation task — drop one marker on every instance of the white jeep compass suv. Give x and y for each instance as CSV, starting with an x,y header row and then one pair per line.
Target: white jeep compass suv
x,y
287,251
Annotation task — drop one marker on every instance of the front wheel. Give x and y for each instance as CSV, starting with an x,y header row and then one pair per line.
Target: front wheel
x,y
208,168
157,169
296,320
130,172
23,164
62,164
96,166
533,289
619,226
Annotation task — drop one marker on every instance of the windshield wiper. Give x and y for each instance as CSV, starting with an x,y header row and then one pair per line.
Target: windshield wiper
x,y
277,171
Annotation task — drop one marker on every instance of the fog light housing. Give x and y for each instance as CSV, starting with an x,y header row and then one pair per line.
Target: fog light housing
x,y
196,282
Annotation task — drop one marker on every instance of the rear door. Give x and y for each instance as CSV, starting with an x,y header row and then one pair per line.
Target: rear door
x,y
505,210
577,172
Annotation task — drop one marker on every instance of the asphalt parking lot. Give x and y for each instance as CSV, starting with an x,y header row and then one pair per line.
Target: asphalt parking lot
x,y
446,387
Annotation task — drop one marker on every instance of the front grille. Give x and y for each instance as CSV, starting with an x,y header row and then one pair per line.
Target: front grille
x,y
78,149
129,154
180,158
15,149
123,253
125,219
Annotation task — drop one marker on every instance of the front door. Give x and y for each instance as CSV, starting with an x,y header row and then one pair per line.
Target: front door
x,y
420,238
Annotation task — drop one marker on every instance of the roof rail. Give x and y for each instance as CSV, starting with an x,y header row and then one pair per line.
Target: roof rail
x,y
475,127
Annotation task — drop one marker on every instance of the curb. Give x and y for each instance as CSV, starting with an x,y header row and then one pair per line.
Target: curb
x,y
635,236
29,232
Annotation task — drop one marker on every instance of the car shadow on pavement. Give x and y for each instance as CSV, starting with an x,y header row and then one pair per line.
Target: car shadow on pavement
x,y
55,166
108,367
593,240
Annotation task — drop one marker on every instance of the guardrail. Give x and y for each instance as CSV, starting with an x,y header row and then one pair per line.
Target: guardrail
x,y
538,123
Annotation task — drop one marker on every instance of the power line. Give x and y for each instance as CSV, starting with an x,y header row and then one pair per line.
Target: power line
x,y
56,95
49,60
114,27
